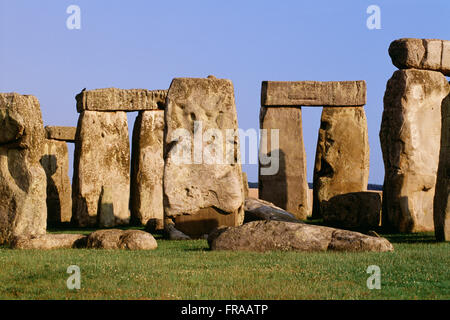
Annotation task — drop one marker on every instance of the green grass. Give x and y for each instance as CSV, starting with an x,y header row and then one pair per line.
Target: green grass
x,y
418,269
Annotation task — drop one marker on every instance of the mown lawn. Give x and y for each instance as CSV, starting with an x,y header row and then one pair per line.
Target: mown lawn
x,y
418,269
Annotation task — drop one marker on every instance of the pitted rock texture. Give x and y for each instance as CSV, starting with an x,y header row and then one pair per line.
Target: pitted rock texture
x,y
410,140
283,181
121,239
147,168
102,159
113,99
342,156
426,54
202,153
264,236
23,210
67,134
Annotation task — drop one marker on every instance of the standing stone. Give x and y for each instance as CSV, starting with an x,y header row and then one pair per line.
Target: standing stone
x,y
23,211
287,188
102,159
202,153
342,156
59,190
410,140
147,169
442,198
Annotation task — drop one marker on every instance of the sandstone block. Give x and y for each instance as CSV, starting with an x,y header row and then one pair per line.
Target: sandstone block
x,y
264,236
342,156
313,93
426,54
23,210
61,133
50,241
410,140
285,184
121,239
202,154
113,99
147,168
55,162
257,209
102,159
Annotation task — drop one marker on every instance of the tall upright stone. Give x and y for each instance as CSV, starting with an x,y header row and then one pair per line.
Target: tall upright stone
x,y
102,162
342,156
147,169
410,138
442,194
59,190
283,180
202,155
23,210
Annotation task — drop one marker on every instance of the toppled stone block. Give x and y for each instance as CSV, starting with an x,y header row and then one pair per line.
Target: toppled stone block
x,y
50,241
113,99
410,140
257,209
313,93
66,134
121,239
23,210
425,54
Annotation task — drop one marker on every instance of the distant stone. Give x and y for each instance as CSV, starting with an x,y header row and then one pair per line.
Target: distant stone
x,y
342,156
50,241
61,133
257,209
106,217
55,162
353,210
313,93
120,239
264,236
102,159
23,209
425,54
113,99
410,138
172,233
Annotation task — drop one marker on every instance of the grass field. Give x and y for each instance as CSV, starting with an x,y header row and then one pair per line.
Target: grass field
x,y
418,269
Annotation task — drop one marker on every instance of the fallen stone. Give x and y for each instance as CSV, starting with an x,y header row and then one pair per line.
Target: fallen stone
x,y
441,198
342,156
206,172
355,210
113,99
313,93
23,210
173,233
410,140
283,180
50,241
426,54
66,134
55,162
257,209
264,236
121,239
102,159
147,168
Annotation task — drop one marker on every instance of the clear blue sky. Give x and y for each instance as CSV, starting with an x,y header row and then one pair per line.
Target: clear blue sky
x,y
144,44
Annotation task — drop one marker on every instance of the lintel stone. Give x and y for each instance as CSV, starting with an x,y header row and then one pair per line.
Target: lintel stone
x,y
61,133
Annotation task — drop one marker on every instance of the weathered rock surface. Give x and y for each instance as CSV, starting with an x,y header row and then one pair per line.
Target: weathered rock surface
x,y
102,159
202,159
442,194
353,210
147,168
172,233
113,99
410,140
50,241
121,239
283,180
55,162
426,54
257,209
313,93
342,156
23,210
288,236
61,133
